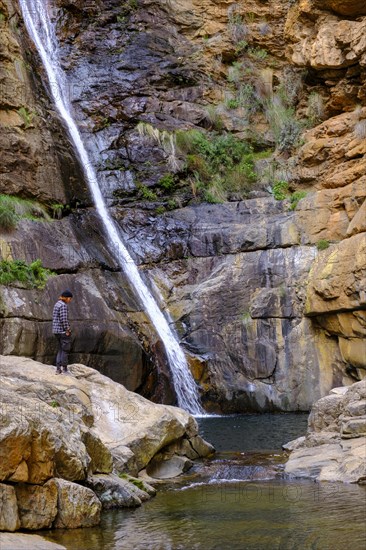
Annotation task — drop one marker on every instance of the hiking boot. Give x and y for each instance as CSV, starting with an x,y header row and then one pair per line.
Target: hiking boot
x,y
58,371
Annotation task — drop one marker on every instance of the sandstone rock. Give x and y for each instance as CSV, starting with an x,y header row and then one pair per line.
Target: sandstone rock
x,y
357,408
172,57
77,506
37,505
125,425
330,43
353,351
9,518
334,446
10,541
15,440
192,448
35,162
358,223
337,277
101,457
21,473
344,7
355,427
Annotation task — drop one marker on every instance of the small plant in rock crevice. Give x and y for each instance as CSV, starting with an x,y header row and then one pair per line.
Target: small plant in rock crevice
x,y
13,209
26,115
295,198
280,190
146,193
322,244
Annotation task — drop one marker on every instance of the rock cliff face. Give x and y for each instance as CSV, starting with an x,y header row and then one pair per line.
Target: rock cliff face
x,y
267,295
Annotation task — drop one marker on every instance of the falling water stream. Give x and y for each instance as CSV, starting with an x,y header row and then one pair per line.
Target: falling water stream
x,y
40,27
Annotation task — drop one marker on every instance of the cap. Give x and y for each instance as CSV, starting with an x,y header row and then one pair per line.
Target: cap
x,y
67,294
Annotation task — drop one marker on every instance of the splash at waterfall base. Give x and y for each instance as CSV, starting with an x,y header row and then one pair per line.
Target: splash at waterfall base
x,y
71,447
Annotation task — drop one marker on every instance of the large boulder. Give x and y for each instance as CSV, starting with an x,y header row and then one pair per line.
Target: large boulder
x,y
76,424
77,506
37,505
119,492
335,443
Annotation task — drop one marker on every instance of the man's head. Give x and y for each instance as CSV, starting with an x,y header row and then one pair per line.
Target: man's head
x,y
66,296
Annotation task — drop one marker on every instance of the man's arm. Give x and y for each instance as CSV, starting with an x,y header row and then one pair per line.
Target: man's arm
x,y
64,318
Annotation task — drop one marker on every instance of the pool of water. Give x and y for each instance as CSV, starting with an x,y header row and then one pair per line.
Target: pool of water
x,y
236,501
234,516
252,432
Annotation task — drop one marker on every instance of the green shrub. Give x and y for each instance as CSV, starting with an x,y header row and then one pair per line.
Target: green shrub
x,y
214,194
232,103
285,127
235,72
146,193
167,182
172,204
241,47
222,165
214,118
32,275
257,53
280,190
296,197
248,98
322,244
315,110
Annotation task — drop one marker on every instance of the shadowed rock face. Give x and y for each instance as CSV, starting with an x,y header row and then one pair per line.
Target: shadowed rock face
x,y
269,321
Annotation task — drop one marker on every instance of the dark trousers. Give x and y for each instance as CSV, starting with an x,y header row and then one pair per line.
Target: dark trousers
x,y
64,346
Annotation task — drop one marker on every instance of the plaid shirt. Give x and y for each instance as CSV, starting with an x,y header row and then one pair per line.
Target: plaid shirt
x,y
60,322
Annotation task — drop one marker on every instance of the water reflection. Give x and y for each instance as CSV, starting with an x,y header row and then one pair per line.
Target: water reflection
x,y
226,504
235,516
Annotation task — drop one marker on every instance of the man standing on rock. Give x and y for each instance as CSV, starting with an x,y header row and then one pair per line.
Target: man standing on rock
x,y
61,329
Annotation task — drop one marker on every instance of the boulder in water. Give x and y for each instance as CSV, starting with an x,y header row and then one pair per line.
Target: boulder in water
x,y
334,446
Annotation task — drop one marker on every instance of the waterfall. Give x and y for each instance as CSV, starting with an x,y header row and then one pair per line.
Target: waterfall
x,y
39,25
